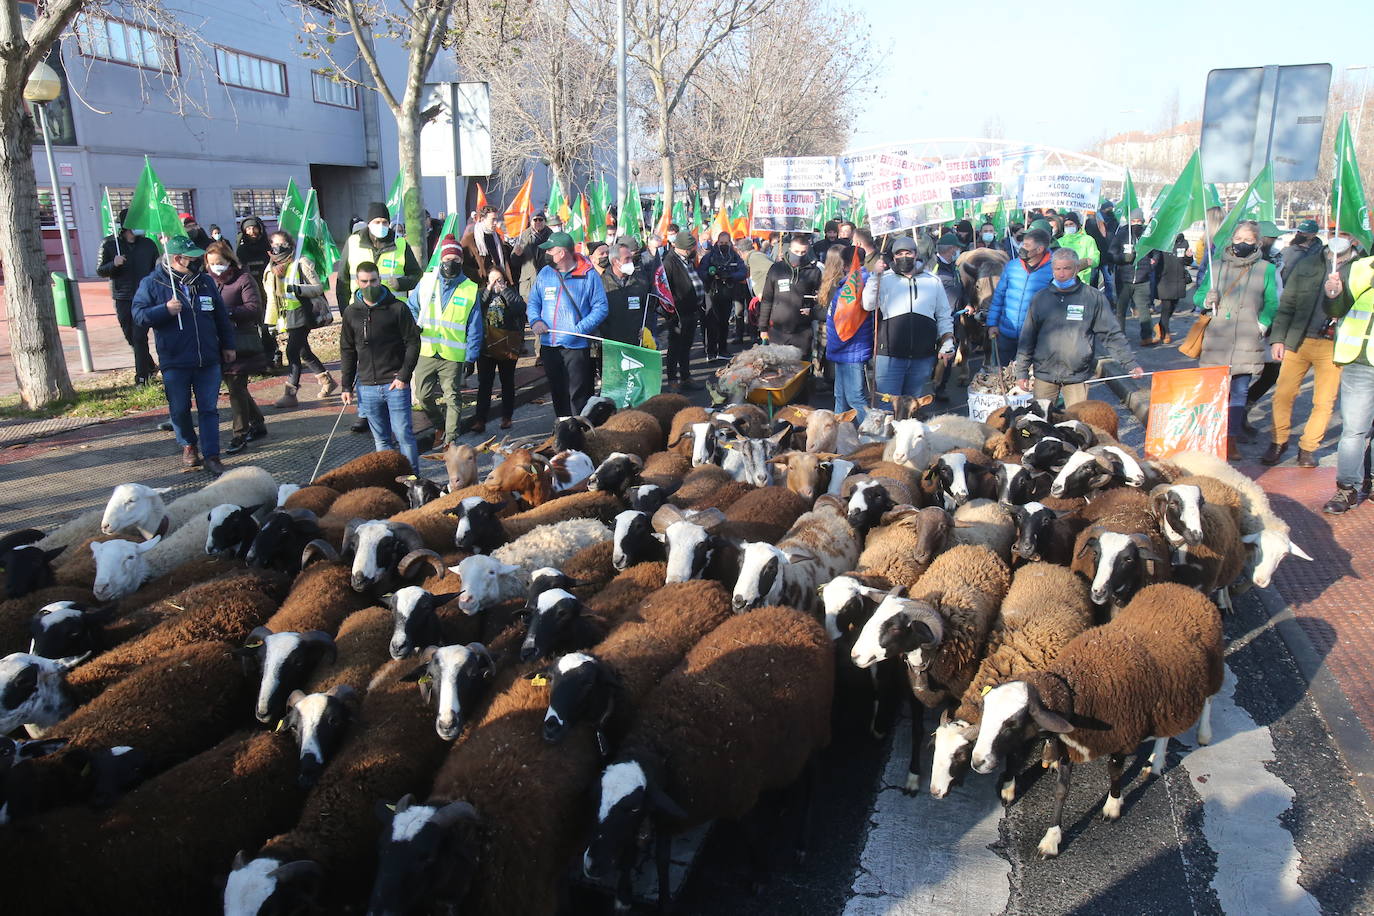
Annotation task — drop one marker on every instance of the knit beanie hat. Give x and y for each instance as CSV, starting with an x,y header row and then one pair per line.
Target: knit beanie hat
x,y
378,210
448,245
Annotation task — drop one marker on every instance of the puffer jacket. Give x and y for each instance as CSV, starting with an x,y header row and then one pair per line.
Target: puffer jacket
x,y
1304,273
194,338
1012,298
1249,300
857,349
1082,245
572,301
240,296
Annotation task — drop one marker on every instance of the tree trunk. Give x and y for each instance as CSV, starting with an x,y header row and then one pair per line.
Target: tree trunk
x,y
35,347
413,211
665,158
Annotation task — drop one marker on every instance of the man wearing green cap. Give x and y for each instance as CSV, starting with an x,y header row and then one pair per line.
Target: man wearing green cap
x,y
567,295
193,336
1302,337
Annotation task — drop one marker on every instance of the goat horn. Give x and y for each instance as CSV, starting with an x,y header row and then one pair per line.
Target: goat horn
x,y
423,555
317,549
293,870
453,813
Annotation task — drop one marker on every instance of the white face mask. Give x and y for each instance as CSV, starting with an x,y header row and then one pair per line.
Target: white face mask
x,y
218,269
1070,230
378,230
626,268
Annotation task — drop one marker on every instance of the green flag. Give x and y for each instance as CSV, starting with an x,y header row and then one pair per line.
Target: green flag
x,y
1212,195
746,195
1185,204
292,210
859,214
107,218
698,219
1347,191
1128,199
395,198
577,226
556,201
631,214
450,226
630,375
150,210
1256,203
313,240
599,202
657,215
1160,196
680,215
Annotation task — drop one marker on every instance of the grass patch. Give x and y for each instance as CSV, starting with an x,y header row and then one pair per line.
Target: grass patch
x,y
97,402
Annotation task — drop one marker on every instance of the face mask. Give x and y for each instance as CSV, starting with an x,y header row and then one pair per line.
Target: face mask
x,y
378,232
215,236
1070,230
795,259
904,265
140,232
989,236
279,249
1027,254
626,268
1064,284
1243,249
372,294
1338,246
1137,227
218,269
1301,239
449,268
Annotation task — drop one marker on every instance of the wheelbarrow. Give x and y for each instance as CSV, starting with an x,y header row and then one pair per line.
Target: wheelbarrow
x,y
773,398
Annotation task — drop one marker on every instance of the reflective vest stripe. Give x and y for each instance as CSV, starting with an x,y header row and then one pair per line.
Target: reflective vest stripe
x,y
391,265
1353,333
288,302
444,326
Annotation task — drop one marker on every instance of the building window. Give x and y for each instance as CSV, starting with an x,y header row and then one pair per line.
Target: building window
x,y
123,43
248,72
180,198
47,219
331,92
264,203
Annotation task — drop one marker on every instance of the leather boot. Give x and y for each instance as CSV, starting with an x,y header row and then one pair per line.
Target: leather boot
x,y
190,457
213,465
288,397
1274,454
1306,459
328,387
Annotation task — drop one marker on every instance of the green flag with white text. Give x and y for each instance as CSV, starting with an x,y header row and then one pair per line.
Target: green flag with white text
x,y
150,210
1185,204
108,225
1347,191
630,375
1257,203
395,198
292,210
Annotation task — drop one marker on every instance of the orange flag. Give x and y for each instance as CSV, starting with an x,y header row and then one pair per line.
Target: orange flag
x,y
720,223
740,228
481,197
849,310
517,215
1188,412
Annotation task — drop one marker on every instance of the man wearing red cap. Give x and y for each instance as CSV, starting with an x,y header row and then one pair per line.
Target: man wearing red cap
x,y
445,306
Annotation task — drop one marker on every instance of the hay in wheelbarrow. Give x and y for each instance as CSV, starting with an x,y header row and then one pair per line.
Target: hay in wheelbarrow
x,y
773,398
765,366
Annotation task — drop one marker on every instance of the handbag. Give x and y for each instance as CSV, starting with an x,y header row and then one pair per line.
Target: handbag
x,y
1192,344
321,314
247,342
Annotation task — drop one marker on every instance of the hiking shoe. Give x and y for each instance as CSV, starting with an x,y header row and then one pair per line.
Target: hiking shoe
x,y
1274,454
1306,459
1345,499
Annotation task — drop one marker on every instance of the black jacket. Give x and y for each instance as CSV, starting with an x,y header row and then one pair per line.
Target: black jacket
x,y
252,252
787,305
685,298
625,306
1129,270
1173,276
953,283
140,259
378,344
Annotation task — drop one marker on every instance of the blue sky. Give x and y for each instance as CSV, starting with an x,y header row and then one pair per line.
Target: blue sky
x,y
1119,63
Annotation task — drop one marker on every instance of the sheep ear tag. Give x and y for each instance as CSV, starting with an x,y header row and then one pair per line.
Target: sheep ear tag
x,y
539,680
987,689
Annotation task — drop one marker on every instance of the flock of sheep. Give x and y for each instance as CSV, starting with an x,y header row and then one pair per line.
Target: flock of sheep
x,y
371,694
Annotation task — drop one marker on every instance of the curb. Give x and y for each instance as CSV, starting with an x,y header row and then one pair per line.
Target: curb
x,y
1352,741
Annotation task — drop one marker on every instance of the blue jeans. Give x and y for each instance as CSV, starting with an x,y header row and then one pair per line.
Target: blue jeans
x,y
897,376
849,389
178,385
1357,413
387,411
1006,348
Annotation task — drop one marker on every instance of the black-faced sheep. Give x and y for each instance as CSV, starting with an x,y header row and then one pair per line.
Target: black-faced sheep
x,y
940,631
708,545
1045,608
818,547
965,474
1151,672
1043,534
1122,550
742,714
16,614
27,568
391,751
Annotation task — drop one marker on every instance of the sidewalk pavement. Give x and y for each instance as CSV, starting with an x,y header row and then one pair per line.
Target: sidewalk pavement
x,y
108,348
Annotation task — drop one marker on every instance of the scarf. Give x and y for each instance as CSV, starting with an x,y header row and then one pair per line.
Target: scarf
x,y
280,262
479,239
692,275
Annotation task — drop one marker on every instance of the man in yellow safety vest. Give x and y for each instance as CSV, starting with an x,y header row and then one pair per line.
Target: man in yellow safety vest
x,y
1349,299
446,306
376,243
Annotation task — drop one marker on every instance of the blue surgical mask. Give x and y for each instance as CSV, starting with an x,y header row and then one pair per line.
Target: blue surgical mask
x,y
1070,230
1065,284
989,236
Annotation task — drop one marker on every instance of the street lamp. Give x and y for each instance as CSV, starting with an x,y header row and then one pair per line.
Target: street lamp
x,y
44,86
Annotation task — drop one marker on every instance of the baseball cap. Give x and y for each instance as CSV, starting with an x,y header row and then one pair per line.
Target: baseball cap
x,y
558,240
905,243
1308,225
181,245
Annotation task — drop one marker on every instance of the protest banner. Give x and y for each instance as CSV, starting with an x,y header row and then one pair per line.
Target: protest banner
x,y
799,173
975,177
855,170
907,193
784,211
1188,412
1063,191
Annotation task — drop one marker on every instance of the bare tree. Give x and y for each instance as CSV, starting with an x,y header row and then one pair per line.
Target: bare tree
x,y
669,42
552,87
421,28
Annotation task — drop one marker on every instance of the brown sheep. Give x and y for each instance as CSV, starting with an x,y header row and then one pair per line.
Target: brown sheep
x,y
700,484
375,469
362,643
1123,549
865,457
315,498
1097,414
663,407
902,550
683,421
367,503
631,431
591,567
749,419
321,597
764,514
666,469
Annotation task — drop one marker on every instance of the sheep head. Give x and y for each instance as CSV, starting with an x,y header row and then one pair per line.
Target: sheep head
x,y
454,677
65,628
286,661
554,611
582,687
1013,715
762,574
120,567
1179,510
134,508
377,548
28,568
428,855
415,619
486,582
318,722
848,602
33,690
901,628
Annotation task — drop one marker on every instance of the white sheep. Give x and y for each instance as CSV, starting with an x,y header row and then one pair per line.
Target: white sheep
x,y
122,566
1261,528
133,507
820,545
505,574
916,443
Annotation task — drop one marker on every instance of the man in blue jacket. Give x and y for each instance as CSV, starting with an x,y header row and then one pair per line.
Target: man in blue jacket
x,y
567,296
1021,280
193,335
